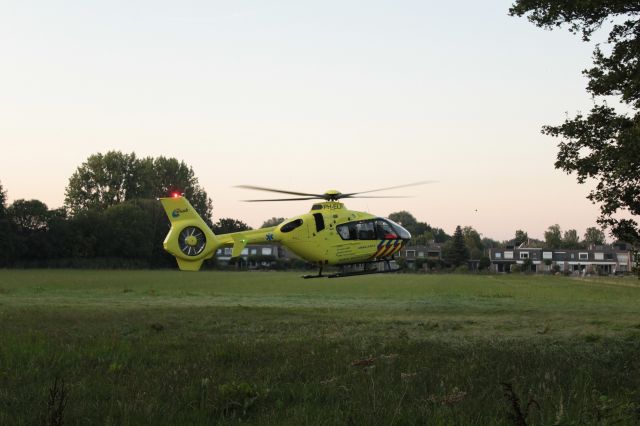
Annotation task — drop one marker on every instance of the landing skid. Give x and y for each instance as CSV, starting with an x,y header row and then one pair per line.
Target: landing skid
x,y
374,269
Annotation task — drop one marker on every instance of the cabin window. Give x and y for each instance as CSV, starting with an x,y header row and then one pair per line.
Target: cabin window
x,y
358,230
288,227
319,221
366,230
316,207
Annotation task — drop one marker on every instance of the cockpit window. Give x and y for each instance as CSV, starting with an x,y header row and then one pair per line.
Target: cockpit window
x,y
402,233
385,231
288,227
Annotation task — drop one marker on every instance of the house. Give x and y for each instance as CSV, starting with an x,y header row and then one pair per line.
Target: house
x,y
255,256
414,256
596,259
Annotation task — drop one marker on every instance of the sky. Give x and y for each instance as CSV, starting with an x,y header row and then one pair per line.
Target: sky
x,y
304,96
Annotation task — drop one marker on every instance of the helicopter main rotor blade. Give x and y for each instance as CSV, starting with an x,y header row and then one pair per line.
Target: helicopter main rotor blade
x,y
284,199
280,191
424,182
381,196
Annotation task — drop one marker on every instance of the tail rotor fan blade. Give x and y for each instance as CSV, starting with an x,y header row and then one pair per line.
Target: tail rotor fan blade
x,y
192,241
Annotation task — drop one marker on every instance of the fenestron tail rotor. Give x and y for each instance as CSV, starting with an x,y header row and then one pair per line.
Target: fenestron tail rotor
x,y
330,195
192,241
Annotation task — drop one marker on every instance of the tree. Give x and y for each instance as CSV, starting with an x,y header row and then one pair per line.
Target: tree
x,y
29,215
104,180
274,221
404,219
227,225
594,236
570,239
171,175
603,144
3,201
6,231
521,237
485,263
421,233
31,220
553,237
473,242
455,250
108,179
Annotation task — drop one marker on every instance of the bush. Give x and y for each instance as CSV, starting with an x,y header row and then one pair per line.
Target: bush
x,y
462,269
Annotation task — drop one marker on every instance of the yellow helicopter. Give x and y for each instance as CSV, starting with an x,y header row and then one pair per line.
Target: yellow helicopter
x,y
330,234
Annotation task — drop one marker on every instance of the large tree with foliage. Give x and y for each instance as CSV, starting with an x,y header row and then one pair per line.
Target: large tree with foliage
x,y
570,239
603,144
227,225
455,251
105,180
521,237
553,237
594,236
421,233
473,241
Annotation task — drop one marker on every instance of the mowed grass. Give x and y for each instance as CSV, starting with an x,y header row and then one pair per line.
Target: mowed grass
x,y
164,347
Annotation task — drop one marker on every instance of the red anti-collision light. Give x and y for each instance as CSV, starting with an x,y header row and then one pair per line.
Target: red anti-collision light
x,y
176,194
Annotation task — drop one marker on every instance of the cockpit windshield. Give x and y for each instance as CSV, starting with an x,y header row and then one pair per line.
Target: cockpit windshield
x,y
402,233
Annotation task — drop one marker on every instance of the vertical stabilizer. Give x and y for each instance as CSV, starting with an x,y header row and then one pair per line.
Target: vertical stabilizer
x,y
190,240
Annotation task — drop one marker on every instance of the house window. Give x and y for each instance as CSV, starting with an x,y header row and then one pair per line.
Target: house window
x,y
508,255
583,256
608,256
524,255
498,255
411,253
254,251
598,256
266,251
547,255
623,258
420,254
227,251
433,254
244,252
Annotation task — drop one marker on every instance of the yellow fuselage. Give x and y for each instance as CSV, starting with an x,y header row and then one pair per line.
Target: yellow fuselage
x,y
328,235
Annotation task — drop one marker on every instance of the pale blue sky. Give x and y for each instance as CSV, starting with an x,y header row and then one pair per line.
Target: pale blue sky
x,y
305,96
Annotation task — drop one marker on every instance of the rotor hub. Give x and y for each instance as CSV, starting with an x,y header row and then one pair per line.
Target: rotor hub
x,y
332,195
191,241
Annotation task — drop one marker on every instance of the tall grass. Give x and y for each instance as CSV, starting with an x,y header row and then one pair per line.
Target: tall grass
x,y
268,348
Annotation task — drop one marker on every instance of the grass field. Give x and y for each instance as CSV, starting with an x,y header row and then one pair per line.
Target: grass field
x,y
163,347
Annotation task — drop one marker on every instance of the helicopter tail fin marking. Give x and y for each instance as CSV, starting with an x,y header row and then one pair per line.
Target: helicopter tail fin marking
x,y
189,240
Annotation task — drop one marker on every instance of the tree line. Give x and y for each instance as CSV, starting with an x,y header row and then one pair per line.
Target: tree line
x,y
111,218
